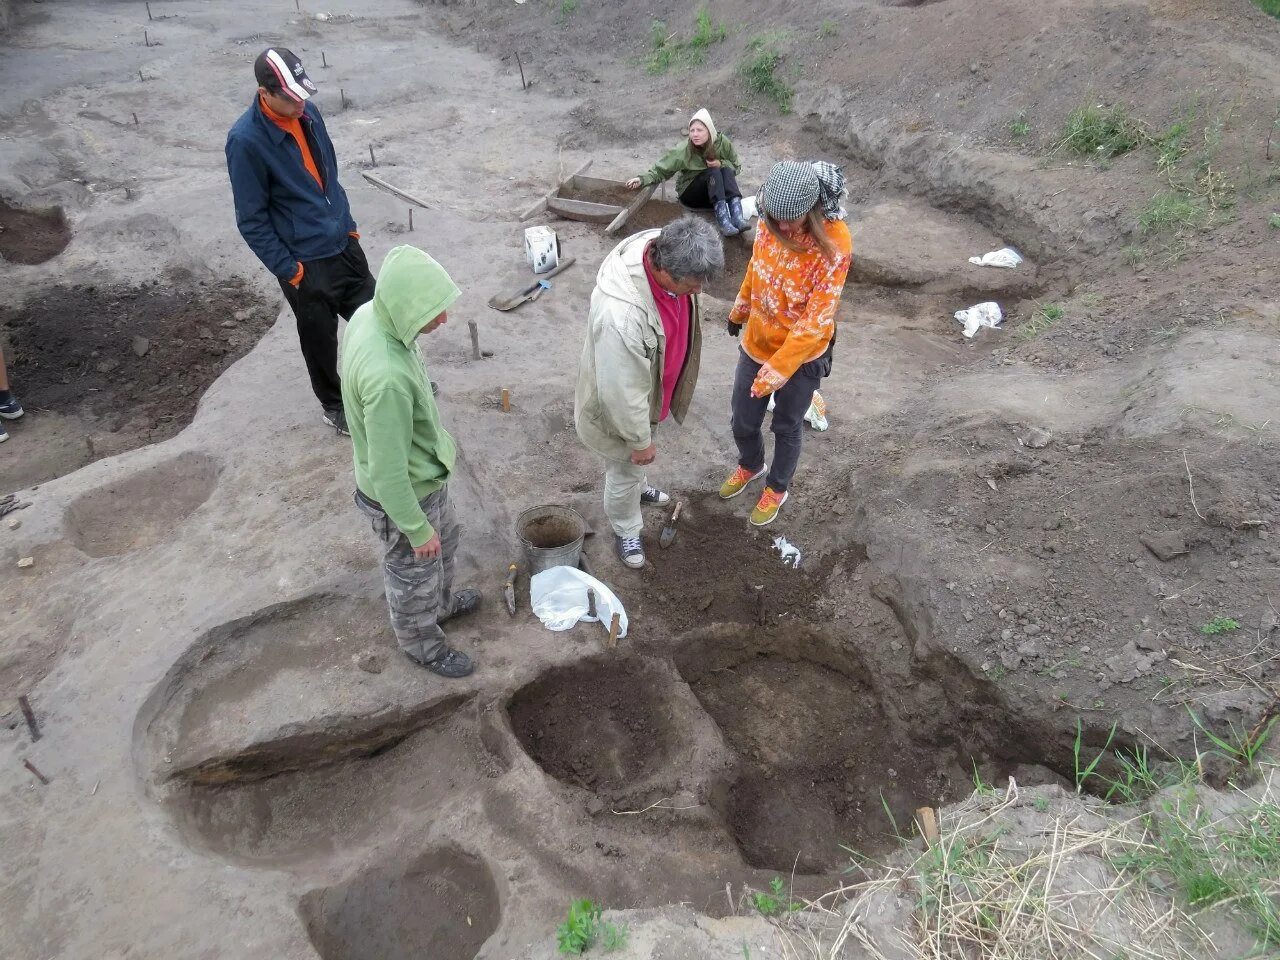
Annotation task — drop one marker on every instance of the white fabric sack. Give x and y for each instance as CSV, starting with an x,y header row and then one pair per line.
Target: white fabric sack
x,y
1004,257
558,597
980,315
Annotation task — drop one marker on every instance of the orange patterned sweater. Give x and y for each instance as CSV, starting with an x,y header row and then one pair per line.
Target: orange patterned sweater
x,y
788,300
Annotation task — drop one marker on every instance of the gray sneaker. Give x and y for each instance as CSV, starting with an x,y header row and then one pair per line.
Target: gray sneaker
x,y
452,664
653,497
630,551
338,420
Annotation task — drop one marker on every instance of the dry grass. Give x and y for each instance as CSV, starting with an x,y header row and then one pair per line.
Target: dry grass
x,y
1100,883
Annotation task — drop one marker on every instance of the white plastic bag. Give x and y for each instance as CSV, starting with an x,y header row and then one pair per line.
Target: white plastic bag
x,y
558,597
981,315
816,415
1004,257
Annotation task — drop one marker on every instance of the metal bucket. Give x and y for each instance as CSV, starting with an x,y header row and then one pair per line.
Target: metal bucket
x,y
552,537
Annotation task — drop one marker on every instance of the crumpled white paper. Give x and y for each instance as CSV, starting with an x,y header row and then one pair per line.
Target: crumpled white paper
x,y
790,553
980,315
558,597
1004,257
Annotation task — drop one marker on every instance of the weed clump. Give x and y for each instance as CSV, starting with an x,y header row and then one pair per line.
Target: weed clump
x,y
1173,210
759,70
1092,131
583,928
668,49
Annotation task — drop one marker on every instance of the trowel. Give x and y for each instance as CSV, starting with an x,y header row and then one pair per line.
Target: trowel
x,y
509,589
668,534
531,292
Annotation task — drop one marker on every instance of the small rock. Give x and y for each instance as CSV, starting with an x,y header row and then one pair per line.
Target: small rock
x,y
369,661
990,529
1006,634
1037,438
1073,448
140,346
26,562
595,806
15,523
227,324
107,365
1031,629
240,316
1165,546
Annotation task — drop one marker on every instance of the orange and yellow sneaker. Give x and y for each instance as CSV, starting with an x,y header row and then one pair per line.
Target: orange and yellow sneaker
x,y
766,510
738,481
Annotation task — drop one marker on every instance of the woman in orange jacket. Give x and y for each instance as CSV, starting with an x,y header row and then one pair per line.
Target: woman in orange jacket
x,y
788,304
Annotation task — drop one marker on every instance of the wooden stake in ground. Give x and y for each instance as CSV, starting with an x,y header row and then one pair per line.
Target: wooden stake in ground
x,y
146,38
343,95
475,341
141,77
614,625
373,161
411,219
506,400
149,17
523,85
135,118
27,714
928,822
591,603
323,62
38,775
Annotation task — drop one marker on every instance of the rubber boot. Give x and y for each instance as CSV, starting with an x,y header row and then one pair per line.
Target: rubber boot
x,y
735,211
722,217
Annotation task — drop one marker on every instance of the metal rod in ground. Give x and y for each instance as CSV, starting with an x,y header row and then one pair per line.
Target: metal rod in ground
x,y
141,77
146,38
411,219
135,118
475,335
523,85
149,17
323,61
38,775
25,706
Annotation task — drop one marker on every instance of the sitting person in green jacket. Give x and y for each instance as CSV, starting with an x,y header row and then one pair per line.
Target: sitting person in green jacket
x,y
705,168
404,456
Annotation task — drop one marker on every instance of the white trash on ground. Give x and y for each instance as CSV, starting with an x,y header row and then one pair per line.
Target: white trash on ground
x,y
816,415
980,315
558,597
790,553
1004,257
750,207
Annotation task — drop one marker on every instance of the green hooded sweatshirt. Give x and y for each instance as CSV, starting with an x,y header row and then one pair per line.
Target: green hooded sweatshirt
x,y
402,453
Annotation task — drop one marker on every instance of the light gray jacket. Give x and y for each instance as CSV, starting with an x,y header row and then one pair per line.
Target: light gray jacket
x,y
619,393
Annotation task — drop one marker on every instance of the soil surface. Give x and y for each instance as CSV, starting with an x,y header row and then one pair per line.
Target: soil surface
x,y
32,236
121,366
1057,535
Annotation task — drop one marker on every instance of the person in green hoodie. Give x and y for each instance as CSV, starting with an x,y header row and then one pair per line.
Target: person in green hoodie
x,y
403,456
705,167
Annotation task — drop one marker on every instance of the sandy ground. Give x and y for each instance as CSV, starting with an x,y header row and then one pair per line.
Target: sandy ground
x,y
227,780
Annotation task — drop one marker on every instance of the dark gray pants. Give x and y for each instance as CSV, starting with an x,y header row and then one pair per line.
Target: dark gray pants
x,y
419,592
790,406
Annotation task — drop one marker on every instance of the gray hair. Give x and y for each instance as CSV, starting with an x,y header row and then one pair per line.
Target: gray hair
x,y
689,249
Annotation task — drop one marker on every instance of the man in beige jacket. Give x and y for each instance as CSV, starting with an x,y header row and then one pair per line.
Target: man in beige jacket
x,y
640,361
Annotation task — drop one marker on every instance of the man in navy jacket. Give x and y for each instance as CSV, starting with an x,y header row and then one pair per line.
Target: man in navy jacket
x,y
294,215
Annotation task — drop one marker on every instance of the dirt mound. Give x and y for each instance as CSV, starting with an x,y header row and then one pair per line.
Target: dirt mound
x,y
32,236
442,905
126,365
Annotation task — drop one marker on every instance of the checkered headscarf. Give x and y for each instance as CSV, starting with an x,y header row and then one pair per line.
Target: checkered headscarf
x,y
794,186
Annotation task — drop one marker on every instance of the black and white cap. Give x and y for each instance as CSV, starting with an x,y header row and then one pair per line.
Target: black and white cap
x,y
279,71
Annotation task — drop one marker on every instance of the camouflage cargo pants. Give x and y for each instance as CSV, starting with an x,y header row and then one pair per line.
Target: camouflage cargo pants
x,y
419,592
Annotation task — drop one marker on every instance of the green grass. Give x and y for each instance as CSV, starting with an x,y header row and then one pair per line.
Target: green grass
x,y
568,8
759,71
1268,6
1219,625
1173,210
1274,219
583,928
1098,133
775,901
669,49
1019,126
828,29
1041,320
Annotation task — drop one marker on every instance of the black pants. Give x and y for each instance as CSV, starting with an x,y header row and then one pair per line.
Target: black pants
x,y
710,187
331,287
790,405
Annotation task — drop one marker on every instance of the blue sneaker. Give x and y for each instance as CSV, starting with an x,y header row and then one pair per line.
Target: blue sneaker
x,y
4,434
11,409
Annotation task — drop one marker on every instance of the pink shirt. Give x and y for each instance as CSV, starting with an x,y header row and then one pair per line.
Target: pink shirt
x,y
675,313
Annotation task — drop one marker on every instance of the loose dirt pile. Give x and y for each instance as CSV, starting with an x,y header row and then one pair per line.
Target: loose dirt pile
x,y
32,236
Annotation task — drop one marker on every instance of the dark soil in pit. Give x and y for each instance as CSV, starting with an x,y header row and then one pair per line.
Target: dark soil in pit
x,y
32,236
827,761
603,725
119,367
547,533
441,906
